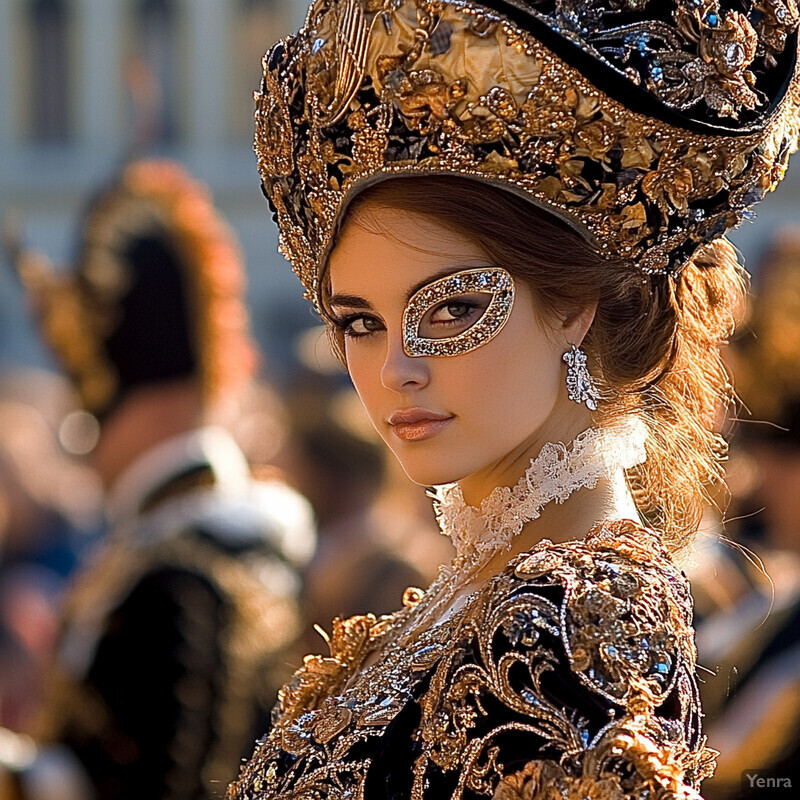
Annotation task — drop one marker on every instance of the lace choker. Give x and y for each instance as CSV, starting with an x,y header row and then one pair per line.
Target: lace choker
x,y
557,472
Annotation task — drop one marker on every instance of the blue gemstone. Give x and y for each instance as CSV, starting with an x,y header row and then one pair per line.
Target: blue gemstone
x,y
752,196
712,20
317,46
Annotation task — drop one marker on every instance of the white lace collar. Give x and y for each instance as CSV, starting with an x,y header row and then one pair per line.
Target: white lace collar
x,y
557,472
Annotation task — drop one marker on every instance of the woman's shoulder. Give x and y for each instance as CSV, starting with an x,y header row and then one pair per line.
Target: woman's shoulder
x,y
618,603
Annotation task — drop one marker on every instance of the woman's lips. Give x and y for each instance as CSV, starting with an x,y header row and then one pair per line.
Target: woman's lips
x,y
414,424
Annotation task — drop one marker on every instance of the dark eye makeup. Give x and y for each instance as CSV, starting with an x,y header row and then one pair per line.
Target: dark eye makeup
x,y
357,324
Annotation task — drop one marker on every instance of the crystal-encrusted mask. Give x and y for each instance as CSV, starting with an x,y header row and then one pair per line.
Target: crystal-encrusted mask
x,y
458,313
651,126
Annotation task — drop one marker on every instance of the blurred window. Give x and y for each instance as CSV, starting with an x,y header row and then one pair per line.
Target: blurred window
x,y
249,5
258,24
156,90
48,22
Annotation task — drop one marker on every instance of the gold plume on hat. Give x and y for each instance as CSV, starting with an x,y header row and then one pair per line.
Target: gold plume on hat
x,y
78,308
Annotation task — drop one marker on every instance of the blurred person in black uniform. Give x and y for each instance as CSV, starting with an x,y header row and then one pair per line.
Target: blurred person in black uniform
x,y
175,634
752,702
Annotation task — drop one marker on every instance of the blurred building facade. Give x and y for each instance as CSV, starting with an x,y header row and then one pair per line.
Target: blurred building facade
x,y
84,81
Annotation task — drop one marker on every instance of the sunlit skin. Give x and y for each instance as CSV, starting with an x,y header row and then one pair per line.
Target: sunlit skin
x,y
480,417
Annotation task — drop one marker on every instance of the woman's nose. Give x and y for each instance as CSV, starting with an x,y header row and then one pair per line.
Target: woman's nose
x,y
400,371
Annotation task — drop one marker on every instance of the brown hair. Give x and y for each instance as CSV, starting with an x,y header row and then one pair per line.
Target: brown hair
x,y
654,343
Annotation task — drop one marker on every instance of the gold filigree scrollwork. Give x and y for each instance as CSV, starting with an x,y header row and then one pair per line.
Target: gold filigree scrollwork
x,y
351,43
572,669
423,93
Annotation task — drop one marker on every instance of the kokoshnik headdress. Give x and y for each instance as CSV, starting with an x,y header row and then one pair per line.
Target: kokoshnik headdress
x,y
155,294
651,126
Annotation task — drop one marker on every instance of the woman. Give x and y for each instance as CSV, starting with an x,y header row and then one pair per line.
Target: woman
x,y
510,215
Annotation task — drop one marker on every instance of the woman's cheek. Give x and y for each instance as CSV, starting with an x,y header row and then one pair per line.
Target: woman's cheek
x,y
364,370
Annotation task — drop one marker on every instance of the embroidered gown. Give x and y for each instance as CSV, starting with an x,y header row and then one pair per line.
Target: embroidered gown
x,y
571,674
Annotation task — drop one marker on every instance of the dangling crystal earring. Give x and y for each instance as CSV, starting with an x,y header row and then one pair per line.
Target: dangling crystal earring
x,y
580,385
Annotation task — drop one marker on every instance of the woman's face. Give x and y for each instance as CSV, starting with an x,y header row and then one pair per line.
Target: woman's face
x,y
479,415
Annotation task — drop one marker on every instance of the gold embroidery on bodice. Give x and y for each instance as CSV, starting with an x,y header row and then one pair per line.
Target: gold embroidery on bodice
x,y
571,674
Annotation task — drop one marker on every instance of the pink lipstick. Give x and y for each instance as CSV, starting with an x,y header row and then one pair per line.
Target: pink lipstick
x,y
415,424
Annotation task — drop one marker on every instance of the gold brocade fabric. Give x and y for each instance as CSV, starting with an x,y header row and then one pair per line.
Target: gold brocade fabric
x,y
569,675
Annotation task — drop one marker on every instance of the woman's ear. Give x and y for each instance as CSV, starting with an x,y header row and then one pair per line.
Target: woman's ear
x,y
575,324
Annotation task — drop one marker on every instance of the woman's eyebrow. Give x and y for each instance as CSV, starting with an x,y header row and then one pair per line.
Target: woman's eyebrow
x,y
354,301
349,301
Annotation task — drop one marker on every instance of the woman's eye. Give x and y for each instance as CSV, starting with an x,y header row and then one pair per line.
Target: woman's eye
x,y
453,315
452,311
361,326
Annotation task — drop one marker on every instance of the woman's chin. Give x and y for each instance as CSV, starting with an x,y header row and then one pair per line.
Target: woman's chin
x,y
427,474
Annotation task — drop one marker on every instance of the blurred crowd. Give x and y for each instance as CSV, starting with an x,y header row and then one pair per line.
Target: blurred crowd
x,y
173,526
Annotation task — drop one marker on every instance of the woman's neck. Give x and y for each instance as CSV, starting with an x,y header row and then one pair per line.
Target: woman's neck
x,y
609,500
564,491
563,425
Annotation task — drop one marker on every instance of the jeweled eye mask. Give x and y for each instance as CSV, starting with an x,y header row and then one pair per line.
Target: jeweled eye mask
x,y
458,313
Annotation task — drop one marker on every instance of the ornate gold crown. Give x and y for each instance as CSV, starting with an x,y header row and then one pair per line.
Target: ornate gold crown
x,y
652,126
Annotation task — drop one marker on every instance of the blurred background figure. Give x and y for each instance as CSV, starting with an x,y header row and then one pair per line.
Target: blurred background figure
x,y
174,636
750,631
